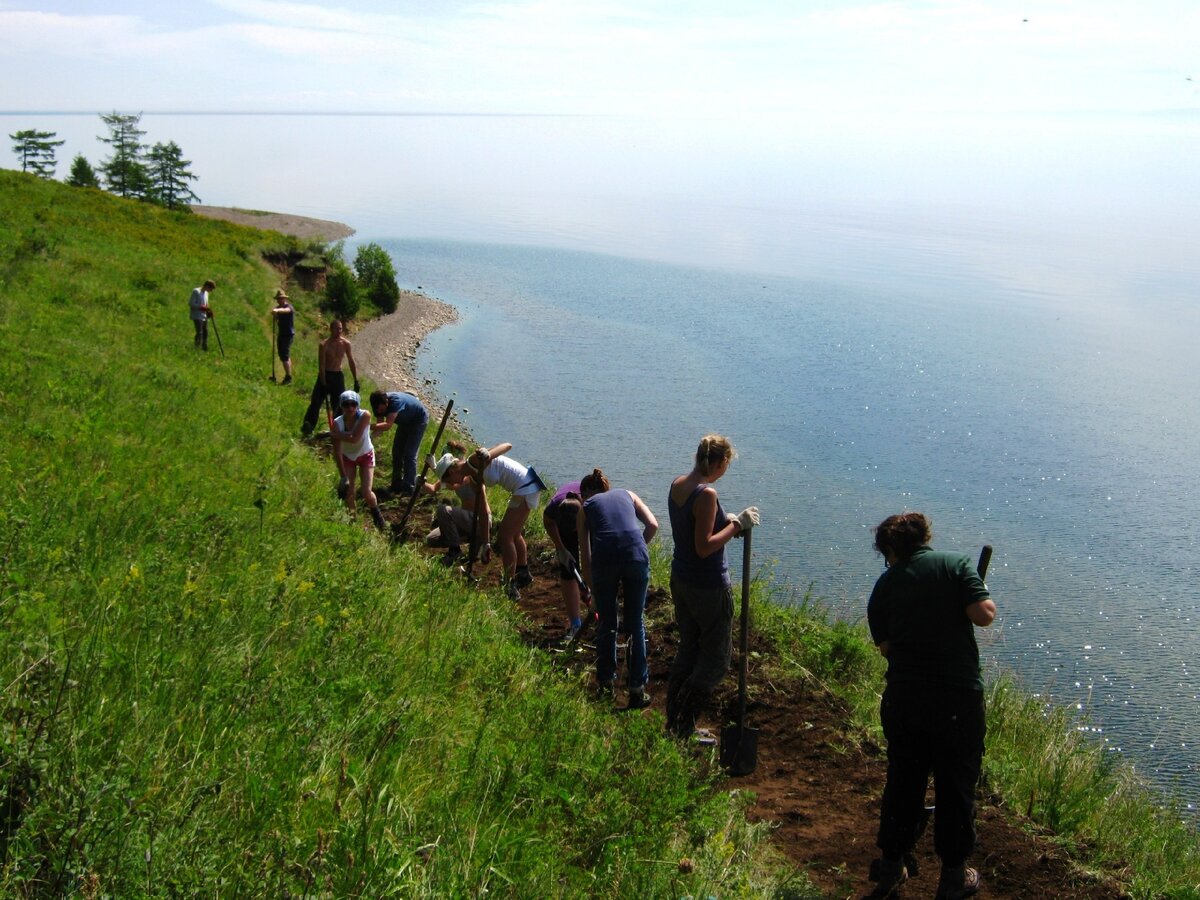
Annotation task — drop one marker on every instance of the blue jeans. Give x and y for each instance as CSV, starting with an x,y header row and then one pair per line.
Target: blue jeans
x,y
405,446
634,577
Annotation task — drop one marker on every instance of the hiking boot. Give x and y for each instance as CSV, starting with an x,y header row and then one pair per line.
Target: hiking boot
x,y
451,557
511,591
892,874
377,518
605,691
638,699
343,486
523,578
910,863
957,883
286,380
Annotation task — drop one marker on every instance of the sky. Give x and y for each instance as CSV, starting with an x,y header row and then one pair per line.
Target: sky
x,y
608,57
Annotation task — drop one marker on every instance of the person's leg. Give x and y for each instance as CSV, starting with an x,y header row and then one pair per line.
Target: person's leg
x,y
686,652
368,494
604,583
351,471
711,616
314,407
198,324
510,537
405,448
635,580
905,719
962,726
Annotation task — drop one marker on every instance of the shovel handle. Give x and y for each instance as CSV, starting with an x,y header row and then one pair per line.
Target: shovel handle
x,y
744,639
985,557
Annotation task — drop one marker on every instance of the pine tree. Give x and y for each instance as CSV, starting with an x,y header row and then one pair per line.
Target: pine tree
x,y
169,176
36,151
82,173
124,171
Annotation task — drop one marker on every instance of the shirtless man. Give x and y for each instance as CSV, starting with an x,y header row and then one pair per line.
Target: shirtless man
x,y
331,353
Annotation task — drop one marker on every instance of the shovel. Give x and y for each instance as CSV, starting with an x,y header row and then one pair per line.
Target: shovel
x,y
739,743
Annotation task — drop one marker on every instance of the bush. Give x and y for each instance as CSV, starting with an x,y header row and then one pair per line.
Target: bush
x,y
377,277
341,291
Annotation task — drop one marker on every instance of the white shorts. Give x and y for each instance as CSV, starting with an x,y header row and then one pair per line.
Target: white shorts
x,y
529,497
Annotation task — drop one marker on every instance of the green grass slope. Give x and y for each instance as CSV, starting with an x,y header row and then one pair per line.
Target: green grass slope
x,y
212,683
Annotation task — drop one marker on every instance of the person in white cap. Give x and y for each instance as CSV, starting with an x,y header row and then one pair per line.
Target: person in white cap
x,y
494,467
453,524
352,441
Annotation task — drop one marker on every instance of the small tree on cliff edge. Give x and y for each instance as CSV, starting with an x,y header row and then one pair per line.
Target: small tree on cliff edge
x,y
377,276
124,171
82,173
35,149
169,176
341,290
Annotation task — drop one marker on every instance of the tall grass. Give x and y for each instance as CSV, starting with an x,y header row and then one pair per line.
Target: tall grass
x,y
212,682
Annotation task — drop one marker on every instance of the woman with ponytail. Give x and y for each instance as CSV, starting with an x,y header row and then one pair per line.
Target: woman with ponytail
x,y
700,582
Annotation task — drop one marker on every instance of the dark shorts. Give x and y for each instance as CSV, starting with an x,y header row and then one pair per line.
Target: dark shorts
x,y
568,529
285,347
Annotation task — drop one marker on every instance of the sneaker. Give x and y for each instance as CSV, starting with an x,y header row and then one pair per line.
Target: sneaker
x,y
287,380
523,578
638,699
572,632
892,874
957,883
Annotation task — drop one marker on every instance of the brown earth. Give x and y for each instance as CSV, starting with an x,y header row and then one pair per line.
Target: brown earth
x,y
301,227
815,783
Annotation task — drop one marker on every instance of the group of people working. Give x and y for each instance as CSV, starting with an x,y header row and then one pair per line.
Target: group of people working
x,y
922,611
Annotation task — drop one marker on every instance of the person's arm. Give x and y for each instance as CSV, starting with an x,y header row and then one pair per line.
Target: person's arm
x,y
387,423
707,541
482,457
585,547
645,517
982,613
550,523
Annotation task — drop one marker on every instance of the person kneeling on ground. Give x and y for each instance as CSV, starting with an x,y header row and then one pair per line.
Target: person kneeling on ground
x,y
492,467
615,527
452,523
352,442
922,614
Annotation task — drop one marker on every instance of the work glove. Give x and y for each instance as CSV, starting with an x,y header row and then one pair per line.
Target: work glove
x,y
430,462
480,458
208,313
748,518
565,559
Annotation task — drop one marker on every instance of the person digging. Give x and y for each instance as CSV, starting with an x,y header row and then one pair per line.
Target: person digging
x,y
352,446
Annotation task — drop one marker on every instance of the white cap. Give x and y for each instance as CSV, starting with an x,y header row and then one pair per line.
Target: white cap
x,y
349,397
443,464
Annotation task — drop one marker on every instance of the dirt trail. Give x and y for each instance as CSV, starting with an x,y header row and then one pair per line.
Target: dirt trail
x,y
818,789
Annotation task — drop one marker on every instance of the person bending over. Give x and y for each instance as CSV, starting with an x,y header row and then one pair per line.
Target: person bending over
x,y
404,412
352,445
560,521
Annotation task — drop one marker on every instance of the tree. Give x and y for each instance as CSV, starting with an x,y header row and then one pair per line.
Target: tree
x,y
169,176
124,171
341,291
377,277
82,173
36,151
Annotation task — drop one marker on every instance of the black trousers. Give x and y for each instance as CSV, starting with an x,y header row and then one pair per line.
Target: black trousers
x,y
335,384
201,339
938,732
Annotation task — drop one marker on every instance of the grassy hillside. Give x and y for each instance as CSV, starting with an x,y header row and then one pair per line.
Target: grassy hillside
x,y
212,683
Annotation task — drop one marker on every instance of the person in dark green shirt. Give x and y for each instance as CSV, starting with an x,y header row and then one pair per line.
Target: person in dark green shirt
x,y
922,615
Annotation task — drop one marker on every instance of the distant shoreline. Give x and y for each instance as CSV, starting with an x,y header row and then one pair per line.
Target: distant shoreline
x,y
384,348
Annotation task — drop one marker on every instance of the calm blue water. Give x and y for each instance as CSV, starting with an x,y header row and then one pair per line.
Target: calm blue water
x,y
992,322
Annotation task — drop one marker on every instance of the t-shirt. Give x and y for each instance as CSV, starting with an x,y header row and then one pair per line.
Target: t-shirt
x,y
408,409
354,449
919,607
614,530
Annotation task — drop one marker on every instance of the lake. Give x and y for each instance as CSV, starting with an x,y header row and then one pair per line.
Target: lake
x,y
991,322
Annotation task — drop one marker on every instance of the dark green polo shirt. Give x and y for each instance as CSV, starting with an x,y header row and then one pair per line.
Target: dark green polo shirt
x,y
919,607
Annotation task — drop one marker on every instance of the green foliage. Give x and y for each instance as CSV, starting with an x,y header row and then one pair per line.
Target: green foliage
x,y
341,291
35,150
169,176
125,171
212,684
377,277
82,173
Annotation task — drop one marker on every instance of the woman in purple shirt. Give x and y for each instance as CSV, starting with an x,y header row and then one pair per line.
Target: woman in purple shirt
x,y
614,528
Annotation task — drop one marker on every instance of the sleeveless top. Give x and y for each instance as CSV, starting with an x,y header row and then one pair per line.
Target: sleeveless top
x,y
686,564
614,528
352,449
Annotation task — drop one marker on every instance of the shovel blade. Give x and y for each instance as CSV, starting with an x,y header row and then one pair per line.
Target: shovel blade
x,y
739,749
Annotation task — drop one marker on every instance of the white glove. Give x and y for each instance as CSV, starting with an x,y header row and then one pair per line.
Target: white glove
x,y
565,559
748,518
430,462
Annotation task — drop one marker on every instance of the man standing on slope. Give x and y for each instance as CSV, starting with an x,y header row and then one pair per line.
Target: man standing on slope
x,y
285,325
200,313
922,614
331,383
